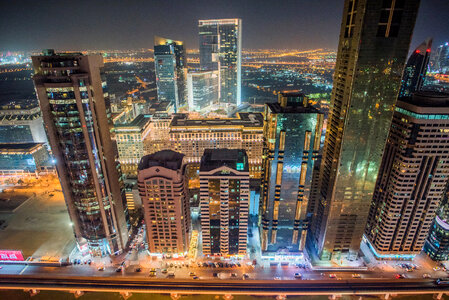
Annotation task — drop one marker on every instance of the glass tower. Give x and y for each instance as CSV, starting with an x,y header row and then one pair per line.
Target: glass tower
x,y
220,44
415,70
292,134
171,71
79,132
374,41
437,244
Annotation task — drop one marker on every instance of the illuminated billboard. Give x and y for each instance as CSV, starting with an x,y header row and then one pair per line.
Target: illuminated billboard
x,y
11,255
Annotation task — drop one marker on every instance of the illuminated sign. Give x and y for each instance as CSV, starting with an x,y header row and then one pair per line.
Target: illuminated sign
x,y
11,255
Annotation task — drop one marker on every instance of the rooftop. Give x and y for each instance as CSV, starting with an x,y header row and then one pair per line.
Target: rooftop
x,y
166,158
292,109
233,158
19,147
243,119
428,99
139,122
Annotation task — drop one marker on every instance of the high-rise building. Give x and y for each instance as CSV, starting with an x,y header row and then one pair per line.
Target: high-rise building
x,y
415,69
292,142
224,201
412,176
220,45
163,190
437,243
193,136
79,132
441,59
130,140
24,159
171,71
202,87
21,125
158,138
374,41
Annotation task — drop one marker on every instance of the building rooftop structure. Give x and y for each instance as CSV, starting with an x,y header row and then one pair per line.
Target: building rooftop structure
x,y
243,119
428,99
233,158
140,121
19,148
166,158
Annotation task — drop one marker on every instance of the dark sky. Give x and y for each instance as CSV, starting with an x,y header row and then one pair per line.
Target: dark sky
x,y
129,24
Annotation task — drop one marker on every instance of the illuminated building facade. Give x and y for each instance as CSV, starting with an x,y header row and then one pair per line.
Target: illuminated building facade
x,y
441,60
373,47
220,44
412,176
202,87
171,71
224,201
192,136
22,159
292,142
158,138
22,125
163,190
130,138
437,243
415,70
79,132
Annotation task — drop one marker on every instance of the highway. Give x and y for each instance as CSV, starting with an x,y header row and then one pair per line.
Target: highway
x,y
249,287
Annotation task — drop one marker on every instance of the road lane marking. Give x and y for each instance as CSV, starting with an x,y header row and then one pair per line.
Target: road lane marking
x,y
23,269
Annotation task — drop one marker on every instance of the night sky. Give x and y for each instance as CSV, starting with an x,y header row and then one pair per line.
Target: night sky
x,y
129,24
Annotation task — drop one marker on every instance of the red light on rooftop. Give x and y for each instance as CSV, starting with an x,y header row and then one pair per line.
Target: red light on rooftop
x,y
428,50
417,51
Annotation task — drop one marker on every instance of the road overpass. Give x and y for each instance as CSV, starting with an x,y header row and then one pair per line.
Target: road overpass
x,y
282,288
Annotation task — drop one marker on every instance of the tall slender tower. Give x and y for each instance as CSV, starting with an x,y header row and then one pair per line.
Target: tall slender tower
x,y
416,69
75,106
224,201
292,131
171,71
412,176
374,41
221,49
163,190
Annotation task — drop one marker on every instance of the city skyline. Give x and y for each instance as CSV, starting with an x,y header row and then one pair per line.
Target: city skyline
x,y
260,18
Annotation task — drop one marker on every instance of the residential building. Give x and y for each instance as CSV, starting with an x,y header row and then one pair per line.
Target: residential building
x,y
79,132
224,201
292,134
220,44
412,176
163,190
373,47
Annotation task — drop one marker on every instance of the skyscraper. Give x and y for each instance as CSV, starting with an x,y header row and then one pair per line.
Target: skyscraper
x,y
437,243
292,134
163,190
374,41
171,71
415,70
224,201
412,176
202,89
79,133
441,60
220,45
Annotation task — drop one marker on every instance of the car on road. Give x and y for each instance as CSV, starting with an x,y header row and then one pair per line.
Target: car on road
x,y
192,274
196,277
138,270
215,274
153,270
171,274
245,276
332,275
119,269
298,275
426,275
234,275
399,276
164,271
152,274
355,275
101,268
277,278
